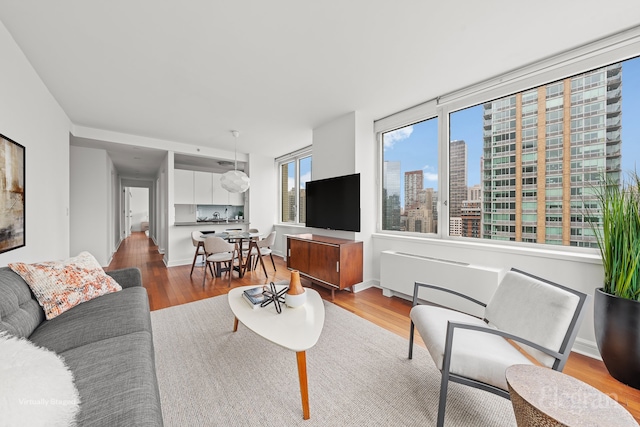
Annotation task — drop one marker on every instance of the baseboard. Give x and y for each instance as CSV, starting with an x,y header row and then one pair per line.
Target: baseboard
x,y
179,262
365,285
586,348
391,293
108,261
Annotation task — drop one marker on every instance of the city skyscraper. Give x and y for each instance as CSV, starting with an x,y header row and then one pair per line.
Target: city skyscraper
x,y
391,196
544,151
413,184
288,208
472,212
474,192
420,220
457,177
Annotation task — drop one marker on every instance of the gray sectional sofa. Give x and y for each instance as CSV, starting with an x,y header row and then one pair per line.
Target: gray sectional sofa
x,y
107,343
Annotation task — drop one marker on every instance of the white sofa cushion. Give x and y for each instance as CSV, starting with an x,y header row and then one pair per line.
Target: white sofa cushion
x,y
476,355
521,298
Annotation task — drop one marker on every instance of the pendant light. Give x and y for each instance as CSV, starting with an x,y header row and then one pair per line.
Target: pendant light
x,y
235,181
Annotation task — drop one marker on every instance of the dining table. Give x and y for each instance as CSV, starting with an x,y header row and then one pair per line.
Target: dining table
x,y
238,237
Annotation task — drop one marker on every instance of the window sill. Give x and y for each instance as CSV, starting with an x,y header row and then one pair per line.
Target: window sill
x,y
290,224
590,256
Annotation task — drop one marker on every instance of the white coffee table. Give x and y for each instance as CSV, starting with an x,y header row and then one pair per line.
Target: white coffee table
x,y
296,329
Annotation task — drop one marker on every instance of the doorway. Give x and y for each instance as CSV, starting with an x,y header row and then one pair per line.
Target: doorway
x,y
136,207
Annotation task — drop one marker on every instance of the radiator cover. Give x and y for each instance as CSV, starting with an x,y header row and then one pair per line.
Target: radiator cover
x,y
399,271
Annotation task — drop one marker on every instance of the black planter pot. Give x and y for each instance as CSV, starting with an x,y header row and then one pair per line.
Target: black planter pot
x,y
617,327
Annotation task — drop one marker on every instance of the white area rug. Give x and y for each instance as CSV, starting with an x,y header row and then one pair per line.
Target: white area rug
x,y
359,375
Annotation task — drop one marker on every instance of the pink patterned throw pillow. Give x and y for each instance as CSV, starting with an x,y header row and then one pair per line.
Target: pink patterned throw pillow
x,y
60,285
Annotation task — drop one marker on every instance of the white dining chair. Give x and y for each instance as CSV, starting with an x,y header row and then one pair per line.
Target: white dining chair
x,y
219,251
247,242
264,246
198,242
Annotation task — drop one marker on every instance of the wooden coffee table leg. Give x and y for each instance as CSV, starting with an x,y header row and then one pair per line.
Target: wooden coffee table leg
x,y
304,389
235,324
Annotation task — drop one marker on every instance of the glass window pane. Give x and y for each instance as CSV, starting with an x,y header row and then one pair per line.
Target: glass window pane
x,y
303,178
410,178
288,191
496,147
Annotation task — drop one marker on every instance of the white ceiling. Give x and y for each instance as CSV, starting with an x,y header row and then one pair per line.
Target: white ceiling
x,y
191,71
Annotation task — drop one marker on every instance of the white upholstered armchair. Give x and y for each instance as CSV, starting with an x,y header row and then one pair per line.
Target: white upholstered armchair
x,y
540,316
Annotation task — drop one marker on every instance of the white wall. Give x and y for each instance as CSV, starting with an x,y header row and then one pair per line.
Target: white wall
x,y
365,161
32,117
334,148
262,206
114,226
91,203
166,213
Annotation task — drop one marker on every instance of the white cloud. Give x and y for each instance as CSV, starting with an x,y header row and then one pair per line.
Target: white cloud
x,y
291,182
430,174
390,138
304,179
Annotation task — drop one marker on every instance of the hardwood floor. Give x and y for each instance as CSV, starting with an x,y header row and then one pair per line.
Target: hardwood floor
x,y
173,286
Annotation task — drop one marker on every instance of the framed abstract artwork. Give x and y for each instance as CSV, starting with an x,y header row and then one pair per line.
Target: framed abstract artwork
x,y
12,195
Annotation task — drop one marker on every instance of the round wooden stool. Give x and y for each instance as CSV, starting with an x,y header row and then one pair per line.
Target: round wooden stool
x,y
543,397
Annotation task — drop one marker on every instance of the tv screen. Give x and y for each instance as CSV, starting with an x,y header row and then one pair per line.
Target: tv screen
x,y
334,203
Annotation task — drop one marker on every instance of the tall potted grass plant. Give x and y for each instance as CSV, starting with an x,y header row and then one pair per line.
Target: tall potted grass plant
x,y
616,304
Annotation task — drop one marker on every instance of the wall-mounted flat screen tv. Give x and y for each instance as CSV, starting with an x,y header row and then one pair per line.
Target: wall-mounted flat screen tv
x,y
334,203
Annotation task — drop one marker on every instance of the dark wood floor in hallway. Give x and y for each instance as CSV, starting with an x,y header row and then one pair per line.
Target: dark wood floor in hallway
x,y
173,286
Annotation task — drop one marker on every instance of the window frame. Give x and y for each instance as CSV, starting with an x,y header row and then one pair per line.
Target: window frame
x,y
294,157
379,219
616,48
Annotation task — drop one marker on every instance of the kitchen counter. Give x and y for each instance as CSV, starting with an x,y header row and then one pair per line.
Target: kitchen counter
x,y
180,247
219,222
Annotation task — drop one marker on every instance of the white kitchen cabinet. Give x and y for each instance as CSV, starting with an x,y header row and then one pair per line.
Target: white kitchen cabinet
x,y
183,187
203,188
236,199
220,195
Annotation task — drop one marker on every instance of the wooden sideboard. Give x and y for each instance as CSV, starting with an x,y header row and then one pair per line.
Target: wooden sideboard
x,y
325,260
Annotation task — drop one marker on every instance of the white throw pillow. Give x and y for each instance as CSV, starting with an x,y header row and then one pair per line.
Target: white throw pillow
x,y
36,387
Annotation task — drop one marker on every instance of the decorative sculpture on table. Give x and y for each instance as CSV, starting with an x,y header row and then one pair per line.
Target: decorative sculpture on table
x,y
296,296
274,296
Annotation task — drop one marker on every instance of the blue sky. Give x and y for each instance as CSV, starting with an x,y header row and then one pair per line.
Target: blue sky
x,y
416,146
305,173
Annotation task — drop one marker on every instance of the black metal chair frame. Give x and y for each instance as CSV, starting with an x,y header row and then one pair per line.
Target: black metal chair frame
x,y
560,356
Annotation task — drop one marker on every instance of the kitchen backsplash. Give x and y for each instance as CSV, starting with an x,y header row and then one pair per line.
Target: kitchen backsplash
x,y
188,213
218,212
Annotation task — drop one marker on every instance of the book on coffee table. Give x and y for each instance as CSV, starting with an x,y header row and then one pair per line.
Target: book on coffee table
x,y
254,296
